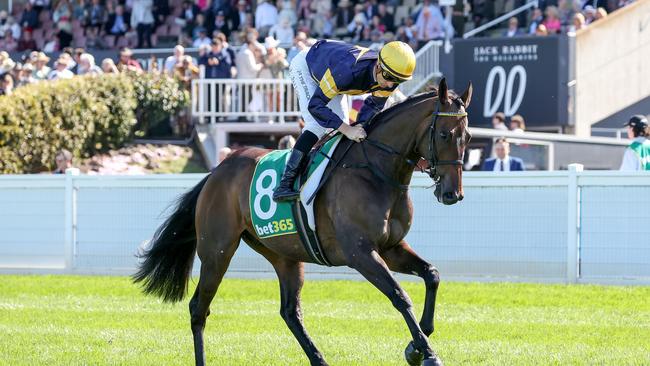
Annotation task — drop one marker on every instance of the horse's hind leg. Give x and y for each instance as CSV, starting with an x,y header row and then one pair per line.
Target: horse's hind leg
x,y
291,278
403,259
215,251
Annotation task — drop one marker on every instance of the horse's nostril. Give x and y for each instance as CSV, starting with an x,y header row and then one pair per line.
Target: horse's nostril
x,y
460,197
449,195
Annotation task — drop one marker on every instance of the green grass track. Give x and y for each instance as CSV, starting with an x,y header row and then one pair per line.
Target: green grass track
x,y
74,320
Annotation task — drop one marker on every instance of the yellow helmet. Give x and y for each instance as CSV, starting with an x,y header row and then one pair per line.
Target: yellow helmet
x,y
397,59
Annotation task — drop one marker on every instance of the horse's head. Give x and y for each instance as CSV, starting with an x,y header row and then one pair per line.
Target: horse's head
x,y
443,144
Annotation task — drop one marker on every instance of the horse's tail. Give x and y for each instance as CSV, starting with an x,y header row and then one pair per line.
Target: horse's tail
x,y
167,264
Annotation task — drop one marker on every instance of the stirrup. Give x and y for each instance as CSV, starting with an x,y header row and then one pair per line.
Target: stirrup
x,y
284,196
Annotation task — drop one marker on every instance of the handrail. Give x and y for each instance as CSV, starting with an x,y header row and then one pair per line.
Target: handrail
x,y
427,66
530,4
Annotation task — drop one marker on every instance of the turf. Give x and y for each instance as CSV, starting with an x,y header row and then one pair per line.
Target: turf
x,y
71,320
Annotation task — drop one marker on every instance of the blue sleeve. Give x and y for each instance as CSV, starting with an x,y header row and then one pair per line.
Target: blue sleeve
x,y
203,60
371,106
328,88
321,112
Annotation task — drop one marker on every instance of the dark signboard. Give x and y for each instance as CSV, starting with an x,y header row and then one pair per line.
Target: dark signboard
x,y
522,75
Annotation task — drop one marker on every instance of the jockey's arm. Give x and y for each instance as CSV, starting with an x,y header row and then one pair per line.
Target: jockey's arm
x,y
321,112
373,105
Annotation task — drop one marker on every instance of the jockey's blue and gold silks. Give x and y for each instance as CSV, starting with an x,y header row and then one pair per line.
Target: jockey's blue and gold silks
x,y
341,68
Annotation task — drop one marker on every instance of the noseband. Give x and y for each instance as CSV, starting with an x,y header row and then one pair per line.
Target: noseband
x,y
433,160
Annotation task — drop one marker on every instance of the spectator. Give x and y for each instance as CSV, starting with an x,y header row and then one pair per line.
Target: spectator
x,y
108,66
220,23
126,62
118,22
320,9
499,121
238,17
61,70
541,31
142,21
552,21
39,5
637,154
198,26
202,39
536,19
229,51
370,8
27,42
286,142
224,152
7,86
578,23
96,15
601,13
175,59
9,44
359,17
160,11
29,18
503,162
61,17
87,65
288,12
513,28
590,14
282,32
358,26
185,71
517,123
386,18
429,23
25,76
6,63
217,64
266,15
299,44
63,161
188,14
375,24
79,10
567,9
344,14
76,56
41,70
276,60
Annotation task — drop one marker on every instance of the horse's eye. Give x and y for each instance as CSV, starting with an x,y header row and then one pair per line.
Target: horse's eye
x,y
445,135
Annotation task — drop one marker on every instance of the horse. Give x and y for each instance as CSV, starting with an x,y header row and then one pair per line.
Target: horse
x,y
365,231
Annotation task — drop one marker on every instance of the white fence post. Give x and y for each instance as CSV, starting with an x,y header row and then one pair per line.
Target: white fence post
x,y
70,212
573,223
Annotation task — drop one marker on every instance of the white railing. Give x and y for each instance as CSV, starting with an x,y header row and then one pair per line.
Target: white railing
x,y
561,226
427,67
252,100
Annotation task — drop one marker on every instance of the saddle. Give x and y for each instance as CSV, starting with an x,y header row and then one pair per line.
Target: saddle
x,y
271,218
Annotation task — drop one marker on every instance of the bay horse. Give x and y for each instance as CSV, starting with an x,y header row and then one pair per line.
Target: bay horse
x,y
364,231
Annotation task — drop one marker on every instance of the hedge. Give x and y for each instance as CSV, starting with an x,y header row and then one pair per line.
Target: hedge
x,y
85,115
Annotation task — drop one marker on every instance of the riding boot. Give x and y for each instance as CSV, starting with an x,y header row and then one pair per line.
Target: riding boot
x,y
285,191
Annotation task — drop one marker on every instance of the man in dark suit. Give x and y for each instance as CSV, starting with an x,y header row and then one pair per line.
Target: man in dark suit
x,y
503,162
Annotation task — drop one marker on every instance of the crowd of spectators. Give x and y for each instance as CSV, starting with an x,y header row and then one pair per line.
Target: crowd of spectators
x,y
52,25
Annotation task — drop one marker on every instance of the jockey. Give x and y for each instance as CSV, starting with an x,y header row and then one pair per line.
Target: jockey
x,y
322,76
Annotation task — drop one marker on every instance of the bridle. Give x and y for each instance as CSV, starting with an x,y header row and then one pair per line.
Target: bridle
x,y
433,160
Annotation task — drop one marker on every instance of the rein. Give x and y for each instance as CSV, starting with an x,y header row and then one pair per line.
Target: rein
x,y
433,160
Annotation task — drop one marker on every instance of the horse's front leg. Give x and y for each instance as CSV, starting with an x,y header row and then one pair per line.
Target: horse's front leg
x,y
367,261
403,259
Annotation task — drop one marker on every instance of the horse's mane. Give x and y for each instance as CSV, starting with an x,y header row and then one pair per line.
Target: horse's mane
x,y
385,115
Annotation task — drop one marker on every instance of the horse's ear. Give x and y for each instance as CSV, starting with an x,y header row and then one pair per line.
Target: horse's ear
x,y
467,95
443,92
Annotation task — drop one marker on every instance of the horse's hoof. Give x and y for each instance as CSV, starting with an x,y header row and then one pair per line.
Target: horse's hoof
x,y
432,362
412,355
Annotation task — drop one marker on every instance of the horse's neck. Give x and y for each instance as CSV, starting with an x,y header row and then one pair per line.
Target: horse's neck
x,y
402,133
